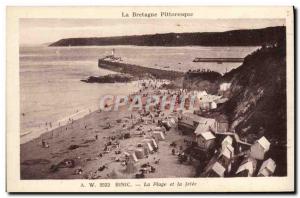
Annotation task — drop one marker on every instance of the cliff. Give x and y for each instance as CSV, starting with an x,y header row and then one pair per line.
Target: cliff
x,y
255,37
257,104
258,94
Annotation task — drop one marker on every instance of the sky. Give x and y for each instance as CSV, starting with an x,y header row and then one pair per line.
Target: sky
x,y
44,31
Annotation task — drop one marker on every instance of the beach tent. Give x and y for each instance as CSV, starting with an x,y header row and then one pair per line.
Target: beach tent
x,y
130,167
158,135
162,128
139,153
152,142
147,148
133,157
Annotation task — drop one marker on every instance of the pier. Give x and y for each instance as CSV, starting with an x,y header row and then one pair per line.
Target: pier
x,y
139,71
219,60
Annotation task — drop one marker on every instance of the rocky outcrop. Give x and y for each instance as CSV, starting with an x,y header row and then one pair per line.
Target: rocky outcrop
x,y
111,78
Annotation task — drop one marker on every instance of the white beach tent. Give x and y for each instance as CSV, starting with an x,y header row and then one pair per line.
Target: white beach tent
x,y
267,168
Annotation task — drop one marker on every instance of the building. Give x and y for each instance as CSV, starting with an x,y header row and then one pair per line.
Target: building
x,y
259,148
267,168
225,86
207,102
206,106
226,141
201,93
247,168
188,123
205,140
205,124
222,124
221,101
224,89
217,170
226,157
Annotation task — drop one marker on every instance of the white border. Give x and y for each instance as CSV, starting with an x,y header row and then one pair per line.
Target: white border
x,y
40,185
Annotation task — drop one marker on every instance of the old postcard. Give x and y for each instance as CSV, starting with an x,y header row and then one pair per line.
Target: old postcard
x,y
150,99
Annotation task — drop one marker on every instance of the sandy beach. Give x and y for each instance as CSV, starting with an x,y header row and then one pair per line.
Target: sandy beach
x,y
90,134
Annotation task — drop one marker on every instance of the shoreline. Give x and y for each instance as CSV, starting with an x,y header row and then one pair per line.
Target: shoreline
x,y
36,132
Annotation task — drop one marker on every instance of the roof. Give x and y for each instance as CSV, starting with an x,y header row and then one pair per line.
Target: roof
x,y
172,121
224,86
269,164
208,98
221,100
208,135
246,166
227,140
193,116
227,153
264,143
201,93
204,124
218,168
230,148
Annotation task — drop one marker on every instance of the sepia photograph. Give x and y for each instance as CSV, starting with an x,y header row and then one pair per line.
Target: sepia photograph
x,y
150,95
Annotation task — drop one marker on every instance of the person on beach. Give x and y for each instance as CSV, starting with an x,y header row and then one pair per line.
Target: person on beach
x,y
44,144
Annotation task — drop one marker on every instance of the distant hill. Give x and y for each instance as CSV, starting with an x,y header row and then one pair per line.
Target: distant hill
x,y
253,37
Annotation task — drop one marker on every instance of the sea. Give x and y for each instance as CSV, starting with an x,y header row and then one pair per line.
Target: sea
x,y
51,90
